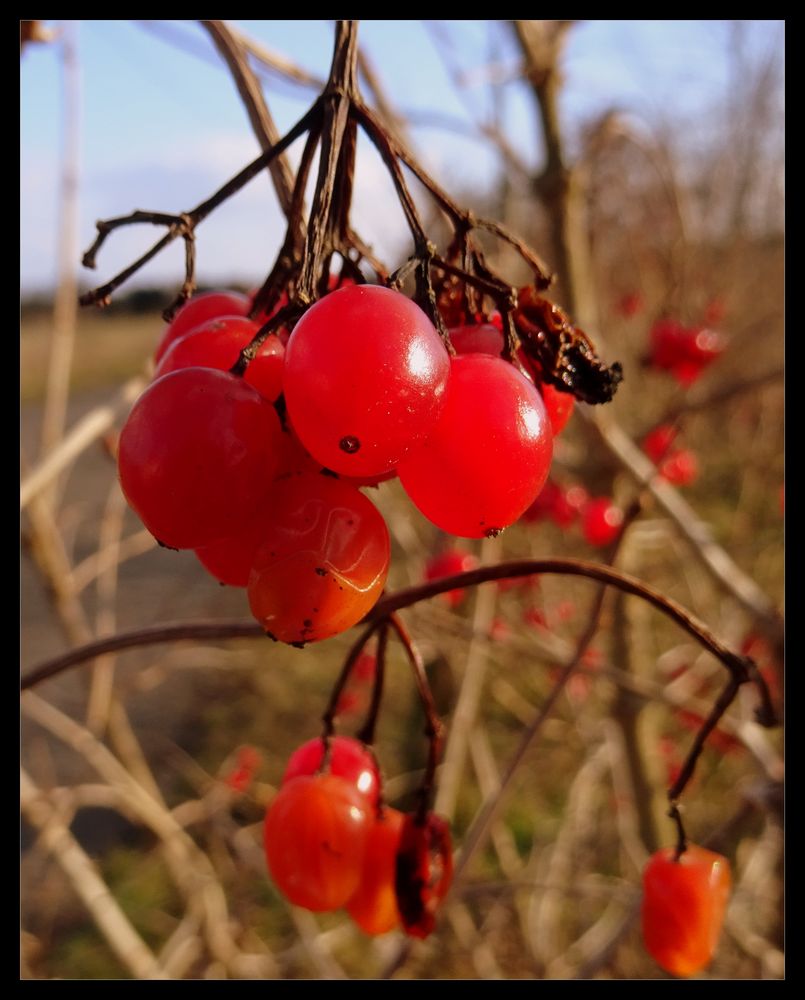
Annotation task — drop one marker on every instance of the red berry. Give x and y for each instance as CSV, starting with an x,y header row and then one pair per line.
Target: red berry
x,y
544,505
683,907
365,379
374,905
241,777
535,618
230,560
323,561
198,310
681,467
658,442
601,521
197,455
424,872
315,834
448,563
559,406
218,343
667,343
684,352
715,311
499,630
365,668
630,304
489,454
349,759
480,338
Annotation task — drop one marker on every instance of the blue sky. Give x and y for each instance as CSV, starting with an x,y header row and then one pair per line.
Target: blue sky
x,y
162,126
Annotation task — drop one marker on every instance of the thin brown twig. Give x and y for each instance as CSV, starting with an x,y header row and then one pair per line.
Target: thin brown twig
x,y
182,225
367,731
433,724
328,718
725,699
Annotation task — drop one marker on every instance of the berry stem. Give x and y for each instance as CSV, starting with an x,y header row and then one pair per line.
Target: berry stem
x,y
434,728
725,699
681,837
367,732
328,719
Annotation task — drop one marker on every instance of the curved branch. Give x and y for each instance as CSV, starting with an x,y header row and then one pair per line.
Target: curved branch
x,y
150,636
741,668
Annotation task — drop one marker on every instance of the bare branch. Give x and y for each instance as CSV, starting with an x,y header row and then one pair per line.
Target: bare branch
x,y
231,47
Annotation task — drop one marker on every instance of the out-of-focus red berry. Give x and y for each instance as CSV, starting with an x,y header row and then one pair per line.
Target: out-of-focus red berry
x,y
534,618
564,513
576,497
544,505
355,696
592,659
565,611
578,688
666,343
448,563
248,761
657,443
350,702
601,521
561,504
630,304
684,352
499,630
365,667
715,311
680,468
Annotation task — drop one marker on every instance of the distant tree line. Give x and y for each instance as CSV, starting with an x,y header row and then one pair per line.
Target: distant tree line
x,y
137,301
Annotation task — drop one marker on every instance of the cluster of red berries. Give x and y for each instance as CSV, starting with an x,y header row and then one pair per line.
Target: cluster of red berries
x,y
261,475
684,902
331,843
600,518
683,351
